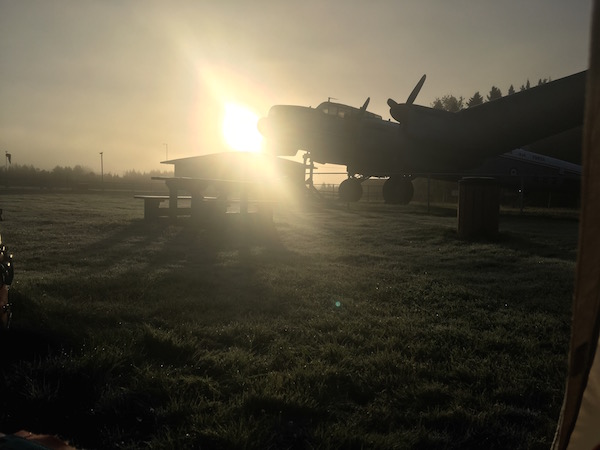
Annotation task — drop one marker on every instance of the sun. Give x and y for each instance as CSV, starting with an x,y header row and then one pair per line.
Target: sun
x,y
239,128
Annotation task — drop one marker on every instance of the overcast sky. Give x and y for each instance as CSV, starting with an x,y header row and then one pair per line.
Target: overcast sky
x,y
125,77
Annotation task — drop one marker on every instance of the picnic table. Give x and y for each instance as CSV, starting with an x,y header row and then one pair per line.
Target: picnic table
x,y
196,204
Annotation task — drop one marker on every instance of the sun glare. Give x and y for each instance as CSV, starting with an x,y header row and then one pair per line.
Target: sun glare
x,y
239,129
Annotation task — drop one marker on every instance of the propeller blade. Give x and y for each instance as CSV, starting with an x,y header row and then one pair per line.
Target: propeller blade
x,y
399,111
415,91
364,107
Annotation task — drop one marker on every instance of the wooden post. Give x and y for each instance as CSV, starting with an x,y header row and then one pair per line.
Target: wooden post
x,y
151,206
172,199
196,204
478,207
428,193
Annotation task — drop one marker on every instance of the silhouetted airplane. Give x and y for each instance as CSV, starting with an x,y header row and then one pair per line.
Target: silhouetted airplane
x,y
424,141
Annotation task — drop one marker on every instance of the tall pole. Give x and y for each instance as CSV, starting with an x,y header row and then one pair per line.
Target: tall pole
x,y
102,168
7,157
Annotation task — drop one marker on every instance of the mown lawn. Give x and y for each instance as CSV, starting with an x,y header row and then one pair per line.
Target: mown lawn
x,y
367,326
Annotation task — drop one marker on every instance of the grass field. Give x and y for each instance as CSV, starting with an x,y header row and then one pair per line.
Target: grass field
x,y
368,327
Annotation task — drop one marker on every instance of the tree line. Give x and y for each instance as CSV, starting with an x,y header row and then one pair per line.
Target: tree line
x,y
77,177
453,104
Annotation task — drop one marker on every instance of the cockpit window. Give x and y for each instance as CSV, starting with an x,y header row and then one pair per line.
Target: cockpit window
x,y
334,110
343,111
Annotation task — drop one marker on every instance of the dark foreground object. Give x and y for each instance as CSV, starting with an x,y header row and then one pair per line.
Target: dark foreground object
x,y
478,207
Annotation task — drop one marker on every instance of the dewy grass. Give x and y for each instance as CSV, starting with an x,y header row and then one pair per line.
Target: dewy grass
x,y
367,326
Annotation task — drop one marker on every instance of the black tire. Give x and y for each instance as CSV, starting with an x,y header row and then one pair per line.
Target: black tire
x,y
350,190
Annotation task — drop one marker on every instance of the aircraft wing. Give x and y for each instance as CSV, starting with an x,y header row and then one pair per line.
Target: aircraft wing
x,y
494,127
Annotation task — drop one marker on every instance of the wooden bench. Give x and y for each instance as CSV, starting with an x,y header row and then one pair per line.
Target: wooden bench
x,y
209,208
204,206
152,205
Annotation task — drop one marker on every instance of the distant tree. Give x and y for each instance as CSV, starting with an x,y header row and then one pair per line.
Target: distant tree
x,y
449,103
23,175
495,93
477,99
525,86
511,90
542,81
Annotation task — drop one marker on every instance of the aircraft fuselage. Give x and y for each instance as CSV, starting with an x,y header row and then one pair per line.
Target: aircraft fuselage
x,y
424,139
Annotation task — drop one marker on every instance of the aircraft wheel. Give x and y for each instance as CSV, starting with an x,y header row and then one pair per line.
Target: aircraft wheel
x,y
350,190
398,191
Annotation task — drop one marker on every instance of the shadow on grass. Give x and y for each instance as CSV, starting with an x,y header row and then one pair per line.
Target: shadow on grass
x,y
385,209
235,231
24,344
529,246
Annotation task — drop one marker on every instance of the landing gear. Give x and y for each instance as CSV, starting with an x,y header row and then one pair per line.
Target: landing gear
x,y
398,191
350,190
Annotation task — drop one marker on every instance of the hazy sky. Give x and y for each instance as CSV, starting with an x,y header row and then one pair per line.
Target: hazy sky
x,y
124,77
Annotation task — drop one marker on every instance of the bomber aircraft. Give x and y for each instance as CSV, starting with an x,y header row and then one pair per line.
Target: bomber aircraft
x,y
423,141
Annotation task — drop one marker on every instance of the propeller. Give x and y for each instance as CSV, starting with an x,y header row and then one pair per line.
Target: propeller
x,y
363,108
398,110
416,90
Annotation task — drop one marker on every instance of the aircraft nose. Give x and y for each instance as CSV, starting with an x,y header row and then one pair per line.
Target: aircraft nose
x,y
263,126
